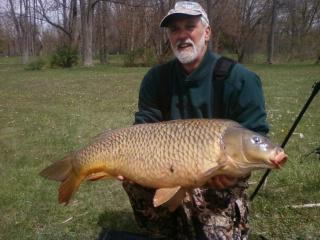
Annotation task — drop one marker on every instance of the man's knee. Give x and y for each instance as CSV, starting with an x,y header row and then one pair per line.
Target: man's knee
x,y
157,222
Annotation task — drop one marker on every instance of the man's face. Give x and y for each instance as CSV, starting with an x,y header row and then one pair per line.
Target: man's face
x,y
188,38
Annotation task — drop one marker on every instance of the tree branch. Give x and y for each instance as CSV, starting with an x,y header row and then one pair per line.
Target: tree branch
x,y
44,15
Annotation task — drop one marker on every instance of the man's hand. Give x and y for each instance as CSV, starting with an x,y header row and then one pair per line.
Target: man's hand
x,y
123,179
222,182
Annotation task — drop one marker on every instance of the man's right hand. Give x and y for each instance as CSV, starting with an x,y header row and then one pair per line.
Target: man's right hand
x,y
123,179
222,182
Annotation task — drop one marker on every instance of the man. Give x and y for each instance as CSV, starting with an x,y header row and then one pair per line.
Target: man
x,y
183,88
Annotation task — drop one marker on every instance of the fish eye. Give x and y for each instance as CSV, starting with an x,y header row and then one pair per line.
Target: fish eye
x,y
256,140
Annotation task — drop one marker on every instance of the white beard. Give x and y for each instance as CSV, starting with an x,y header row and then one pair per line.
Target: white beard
x,y
186,56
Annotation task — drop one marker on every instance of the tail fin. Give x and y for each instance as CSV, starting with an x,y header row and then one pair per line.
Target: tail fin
x,y
68,187
59,170
62,171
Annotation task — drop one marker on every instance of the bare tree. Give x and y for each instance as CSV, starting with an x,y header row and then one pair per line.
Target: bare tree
x,y
101,31
23,27
99,27
301,20
68,29
209,12
270,47
220,21
16,23
250,14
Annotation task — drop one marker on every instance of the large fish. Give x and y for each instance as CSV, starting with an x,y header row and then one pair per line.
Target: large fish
x,y
172,157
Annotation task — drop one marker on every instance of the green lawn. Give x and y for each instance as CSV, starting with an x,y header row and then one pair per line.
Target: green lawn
x,y
45,114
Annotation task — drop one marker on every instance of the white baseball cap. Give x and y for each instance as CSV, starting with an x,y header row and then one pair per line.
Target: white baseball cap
x,y
184,8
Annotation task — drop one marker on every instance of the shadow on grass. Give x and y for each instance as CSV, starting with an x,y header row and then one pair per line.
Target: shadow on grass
x,y
254,236
118,225
106,234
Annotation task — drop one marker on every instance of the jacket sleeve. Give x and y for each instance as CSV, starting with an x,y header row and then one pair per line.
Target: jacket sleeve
x,y
148,104
246,100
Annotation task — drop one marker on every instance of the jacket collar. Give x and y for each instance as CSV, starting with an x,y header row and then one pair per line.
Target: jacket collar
x,y
203,71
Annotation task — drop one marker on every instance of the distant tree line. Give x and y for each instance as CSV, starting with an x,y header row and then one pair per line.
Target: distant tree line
x,y
98,28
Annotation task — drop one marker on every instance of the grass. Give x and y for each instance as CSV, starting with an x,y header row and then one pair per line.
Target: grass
x,y
45,114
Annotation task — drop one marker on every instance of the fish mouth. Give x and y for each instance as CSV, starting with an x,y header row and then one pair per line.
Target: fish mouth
x,y
279,159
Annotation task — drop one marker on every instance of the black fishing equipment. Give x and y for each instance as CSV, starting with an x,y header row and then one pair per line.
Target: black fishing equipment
x,y
316,88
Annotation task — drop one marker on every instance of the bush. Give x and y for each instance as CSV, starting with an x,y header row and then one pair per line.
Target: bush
x,y
140,57
149,58
65,56
130,58
36,64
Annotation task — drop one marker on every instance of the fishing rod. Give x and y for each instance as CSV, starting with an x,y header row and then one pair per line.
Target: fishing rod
x,y
316,88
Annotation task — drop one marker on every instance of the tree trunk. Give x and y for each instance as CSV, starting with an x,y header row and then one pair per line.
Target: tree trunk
x,y
294,31
132,39
86,32
26,30
103,12
17,25
216,42
145,36
35,48
209,13
272,30
66,38
64,14
72,24
22,27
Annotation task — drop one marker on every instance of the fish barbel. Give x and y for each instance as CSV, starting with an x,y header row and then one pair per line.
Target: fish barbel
x,y
171,156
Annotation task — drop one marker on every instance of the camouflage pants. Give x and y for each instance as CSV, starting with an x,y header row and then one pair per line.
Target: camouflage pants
x,y
206,214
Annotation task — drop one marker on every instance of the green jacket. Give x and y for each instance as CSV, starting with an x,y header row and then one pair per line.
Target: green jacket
x,y
168,93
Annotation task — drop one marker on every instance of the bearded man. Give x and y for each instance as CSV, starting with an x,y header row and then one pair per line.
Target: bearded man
x,y
183,88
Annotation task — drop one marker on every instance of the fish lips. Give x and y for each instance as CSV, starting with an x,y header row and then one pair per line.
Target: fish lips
x,y
279,158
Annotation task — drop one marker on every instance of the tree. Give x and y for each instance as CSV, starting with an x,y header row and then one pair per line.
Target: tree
x,y
101,31
301,20
22,27
270,47
250,15
101,27
220,21
68,28
86,12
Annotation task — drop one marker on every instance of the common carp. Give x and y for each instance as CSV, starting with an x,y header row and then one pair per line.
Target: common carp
x,y
172,157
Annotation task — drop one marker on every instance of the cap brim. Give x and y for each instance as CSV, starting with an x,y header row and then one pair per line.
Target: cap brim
x,y
167,19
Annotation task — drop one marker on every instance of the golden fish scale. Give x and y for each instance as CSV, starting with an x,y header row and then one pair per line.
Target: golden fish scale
x,y
160,154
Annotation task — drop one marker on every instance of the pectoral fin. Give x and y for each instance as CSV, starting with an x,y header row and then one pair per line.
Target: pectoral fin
x,y
176,200
163,195
212,171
